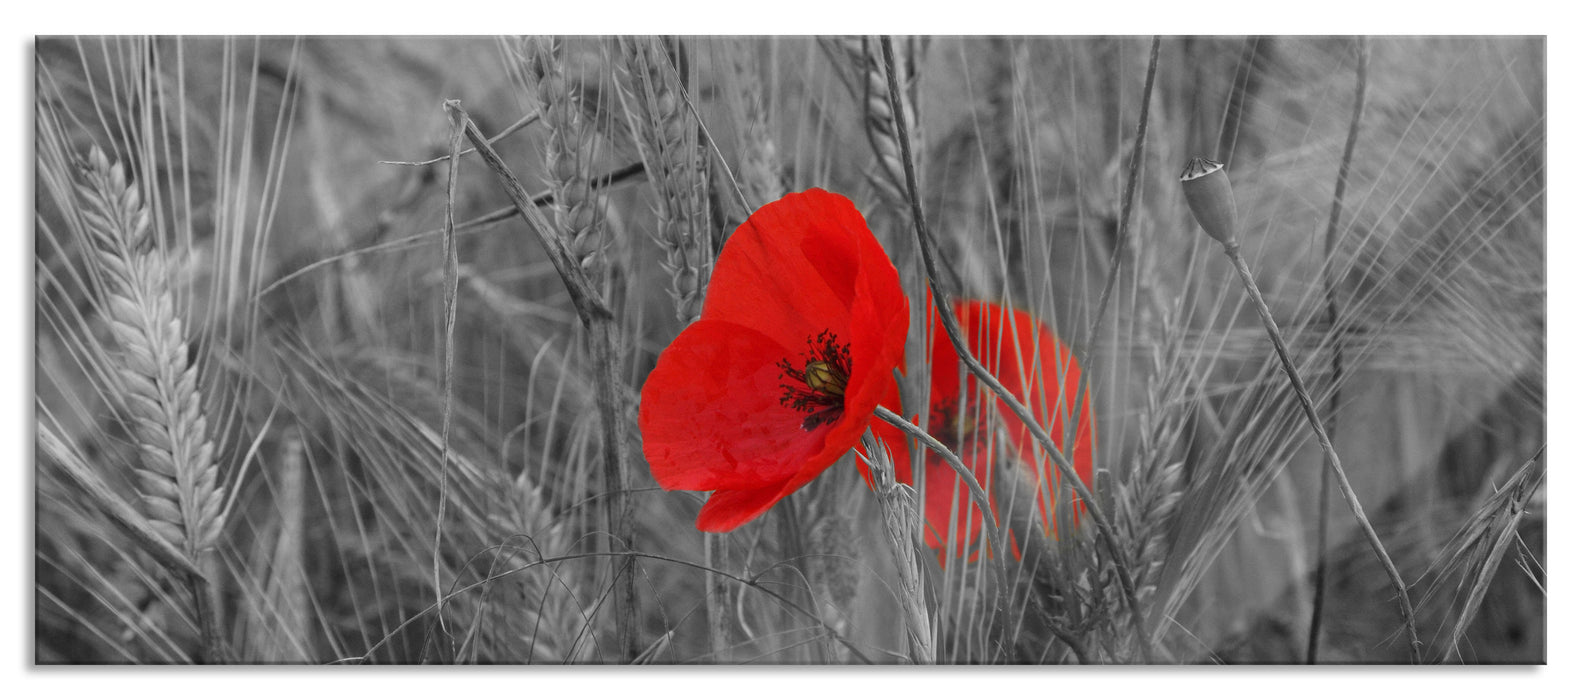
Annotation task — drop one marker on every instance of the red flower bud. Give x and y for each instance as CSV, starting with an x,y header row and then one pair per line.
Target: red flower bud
x,y
1208,194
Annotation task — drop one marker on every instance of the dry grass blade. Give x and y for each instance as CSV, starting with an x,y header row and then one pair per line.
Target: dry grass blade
x,y
450,264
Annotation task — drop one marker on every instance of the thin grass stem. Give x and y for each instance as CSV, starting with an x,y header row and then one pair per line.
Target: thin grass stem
x,y
1337,349
1128,199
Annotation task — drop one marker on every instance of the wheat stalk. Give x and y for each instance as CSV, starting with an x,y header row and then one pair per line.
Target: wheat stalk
x,y
177,475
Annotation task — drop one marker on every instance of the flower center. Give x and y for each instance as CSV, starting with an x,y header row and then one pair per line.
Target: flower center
x,y
956,425
816,384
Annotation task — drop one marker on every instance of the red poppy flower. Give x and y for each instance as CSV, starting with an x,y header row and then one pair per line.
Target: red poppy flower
x,y
803,324
1043,374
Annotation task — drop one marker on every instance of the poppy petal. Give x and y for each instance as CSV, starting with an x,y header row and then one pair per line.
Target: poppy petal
x,y
728,509
805,264
790,270
1043,373
1027,359
711,416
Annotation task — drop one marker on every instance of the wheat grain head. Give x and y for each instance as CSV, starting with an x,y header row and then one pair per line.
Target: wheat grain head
x,y
177,474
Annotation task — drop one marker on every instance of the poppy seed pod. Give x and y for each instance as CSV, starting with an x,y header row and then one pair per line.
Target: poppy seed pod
x,y
1208,194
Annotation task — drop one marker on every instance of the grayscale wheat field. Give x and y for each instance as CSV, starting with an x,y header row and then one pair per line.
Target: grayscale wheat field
x,y
310,387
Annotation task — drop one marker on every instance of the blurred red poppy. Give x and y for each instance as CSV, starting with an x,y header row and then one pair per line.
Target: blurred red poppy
x,y
1043,374
803,325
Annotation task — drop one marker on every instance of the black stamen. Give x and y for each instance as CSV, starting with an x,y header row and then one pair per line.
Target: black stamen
x,y
824,396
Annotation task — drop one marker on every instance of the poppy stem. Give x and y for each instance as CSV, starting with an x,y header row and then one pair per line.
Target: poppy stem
x,y
1107,535
1233,251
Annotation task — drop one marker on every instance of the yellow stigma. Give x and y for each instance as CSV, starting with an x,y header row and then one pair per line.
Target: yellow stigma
x,y
967,424
822,377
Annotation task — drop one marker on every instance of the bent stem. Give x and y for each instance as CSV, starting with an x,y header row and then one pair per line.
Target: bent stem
x,y
1233,251
1107,535
980,498
901,524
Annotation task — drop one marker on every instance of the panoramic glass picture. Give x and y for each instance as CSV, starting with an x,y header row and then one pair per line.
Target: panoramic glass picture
x,y
794,350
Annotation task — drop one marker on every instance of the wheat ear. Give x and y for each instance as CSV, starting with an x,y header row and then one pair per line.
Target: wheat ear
x,y
759,166
667,137
879,117
568,153
568,157
902,525
177,476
